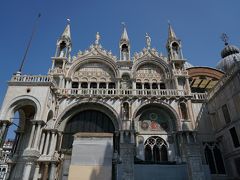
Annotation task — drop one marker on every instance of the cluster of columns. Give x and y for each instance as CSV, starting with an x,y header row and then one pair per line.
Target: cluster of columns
x,y
48,171
46,148
35,134
48,142
4,124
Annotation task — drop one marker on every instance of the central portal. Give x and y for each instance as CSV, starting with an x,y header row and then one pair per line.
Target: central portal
x,y
88,146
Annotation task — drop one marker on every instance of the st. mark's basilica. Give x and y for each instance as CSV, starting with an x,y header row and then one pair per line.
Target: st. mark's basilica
x,y
142,116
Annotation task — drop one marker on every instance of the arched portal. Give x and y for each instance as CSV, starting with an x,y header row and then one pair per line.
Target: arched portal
x,y
89,140
23,113
86,121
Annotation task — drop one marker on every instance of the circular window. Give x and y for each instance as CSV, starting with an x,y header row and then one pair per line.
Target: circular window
x,y
28,90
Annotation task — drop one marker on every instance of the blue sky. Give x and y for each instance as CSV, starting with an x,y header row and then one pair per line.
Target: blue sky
x,y
199,24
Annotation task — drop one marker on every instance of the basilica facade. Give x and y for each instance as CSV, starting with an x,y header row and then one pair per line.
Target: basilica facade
x,y
147,116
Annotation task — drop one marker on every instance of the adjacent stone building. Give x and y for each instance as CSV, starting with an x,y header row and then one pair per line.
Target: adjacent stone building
x,y
147,116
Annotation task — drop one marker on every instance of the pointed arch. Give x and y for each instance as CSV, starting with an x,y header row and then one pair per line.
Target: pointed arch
x,y
155,150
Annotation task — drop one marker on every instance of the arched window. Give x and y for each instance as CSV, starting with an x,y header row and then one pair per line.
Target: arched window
x,y
148,153
62,49
219,160
210,160
183,109
155,150
214,159
75,84
125,111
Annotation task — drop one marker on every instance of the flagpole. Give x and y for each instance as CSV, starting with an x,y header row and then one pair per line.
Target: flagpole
x,y
29,43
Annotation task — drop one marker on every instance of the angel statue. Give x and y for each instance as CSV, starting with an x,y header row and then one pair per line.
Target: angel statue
x,y
148,41
97,38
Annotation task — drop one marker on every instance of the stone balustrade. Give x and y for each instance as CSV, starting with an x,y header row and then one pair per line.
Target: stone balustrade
x,y
32,79
122,92
199,96
180,72
56,71
29,78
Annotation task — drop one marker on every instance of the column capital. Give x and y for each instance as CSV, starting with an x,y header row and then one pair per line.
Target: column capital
x,y
51,130
5,121
41,122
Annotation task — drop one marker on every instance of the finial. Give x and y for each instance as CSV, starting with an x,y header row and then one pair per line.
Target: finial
x,y
97,38
124,24
68,21
225,38
169,23
148,41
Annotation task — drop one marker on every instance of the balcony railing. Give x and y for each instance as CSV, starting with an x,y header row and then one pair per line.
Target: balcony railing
x,y
180,72
56,71
32,79
199,96
122,92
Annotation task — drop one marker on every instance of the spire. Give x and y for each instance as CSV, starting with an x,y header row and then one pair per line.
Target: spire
x,y
64,43
171,33
124,44
67,33
173,45
124,36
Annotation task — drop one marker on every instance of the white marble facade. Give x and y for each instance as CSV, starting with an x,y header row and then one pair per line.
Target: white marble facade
x,y
145,102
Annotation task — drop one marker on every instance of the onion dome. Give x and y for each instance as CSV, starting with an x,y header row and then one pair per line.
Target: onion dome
x,y
226,63
229,50
230,54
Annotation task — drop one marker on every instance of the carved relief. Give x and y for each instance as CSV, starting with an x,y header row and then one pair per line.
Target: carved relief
x,y
150,72
94,70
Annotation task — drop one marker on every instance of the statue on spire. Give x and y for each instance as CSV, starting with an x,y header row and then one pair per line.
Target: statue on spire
x,y
97,38
148,41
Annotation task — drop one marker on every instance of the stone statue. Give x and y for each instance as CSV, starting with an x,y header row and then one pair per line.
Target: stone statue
x,y
97,38
148,41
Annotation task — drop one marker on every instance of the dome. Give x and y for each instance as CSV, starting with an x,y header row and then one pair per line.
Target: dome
x,y
230,54
229,50
226,63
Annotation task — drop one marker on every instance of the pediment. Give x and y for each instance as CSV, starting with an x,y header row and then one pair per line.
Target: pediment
x,y
94,51
148,54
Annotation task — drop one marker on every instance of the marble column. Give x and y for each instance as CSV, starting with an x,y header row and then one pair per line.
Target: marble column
x,y
36,172
190,113
45,173
188,86
27,170
46,143
31,136
53,143
52,171
42,142
37,135
176,82
3,132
